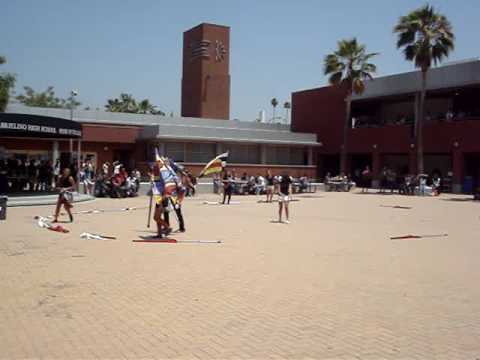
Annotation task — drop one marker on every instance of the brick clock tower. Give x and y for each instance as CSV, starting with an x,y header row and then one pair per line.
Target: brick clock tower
x,y
206,77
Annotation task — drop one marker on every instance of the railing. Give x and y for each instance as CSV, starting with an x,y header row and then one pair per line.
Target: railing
x,y
370,123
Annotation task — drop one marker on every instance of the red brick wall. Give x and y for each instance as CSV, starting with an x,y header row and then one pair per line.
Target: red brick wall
x,y
206,81
110,133
320,111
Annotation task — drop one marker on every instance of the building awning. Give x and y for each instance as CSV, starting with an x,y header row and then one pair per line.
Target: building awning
x,y
37,126
211,133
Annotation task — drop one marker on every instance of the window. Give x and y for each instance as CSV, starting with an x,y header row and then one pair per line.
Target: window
x,y
243,154
200,152
283,155
175,151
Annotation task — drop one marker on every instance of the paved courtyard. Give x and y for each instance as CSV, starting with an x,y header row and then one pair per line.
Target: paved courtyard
x,y
330,285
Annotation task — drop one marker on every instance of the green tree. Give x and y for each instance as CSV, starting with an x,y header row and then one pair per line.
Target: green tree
x,y
274,103
46,99
349,67
426,37
287,106
127,104
7,83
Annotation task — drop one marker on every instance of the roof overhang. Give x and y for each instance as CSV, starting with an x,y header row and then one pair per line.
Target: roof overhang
x,y
37,126
454,75
175,132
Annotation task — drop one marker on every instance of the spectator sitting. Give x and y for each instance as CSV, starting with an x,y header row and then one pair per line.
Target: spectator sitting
x,y
304,183
260,186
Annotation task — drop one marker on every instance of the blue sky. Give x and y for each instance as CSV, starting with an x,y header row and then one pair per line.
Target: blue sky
x,y
105,47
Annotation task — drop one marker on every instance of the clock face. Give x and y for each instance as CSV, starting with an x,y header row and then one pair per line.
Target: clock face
x,y
220,51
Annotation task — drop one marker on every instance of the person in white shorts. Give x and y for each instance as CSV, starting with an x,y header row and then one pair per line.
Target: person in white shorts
x,y
284,190
270,186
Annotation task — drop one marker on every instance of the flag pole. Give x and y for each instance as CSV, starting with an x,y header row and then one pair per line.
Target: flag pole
x,y
150,208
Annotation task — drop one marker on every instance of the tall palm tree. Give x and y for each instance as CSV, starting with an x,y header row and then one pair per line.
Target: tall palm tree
x,y
128,103
113,105
145,107
274,103
426,37
287,106
349,66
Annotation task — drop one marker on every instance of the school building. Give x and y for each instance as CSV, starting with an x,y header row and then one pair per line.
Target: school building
x,y
131,138
381,127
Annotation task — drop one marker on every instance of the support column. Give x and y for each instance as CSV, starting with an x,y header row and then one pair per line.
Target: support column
x,y
218,148
412,159
55,152
416,112
376,168
458,164
263,154
71,152
310,155
79,155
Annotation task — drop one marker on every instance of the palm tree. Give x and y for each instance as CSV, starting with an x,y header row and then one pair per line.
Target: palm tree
x,y
113,105
287,106
7,82
145,107
128,103
426,37
349,66
274,103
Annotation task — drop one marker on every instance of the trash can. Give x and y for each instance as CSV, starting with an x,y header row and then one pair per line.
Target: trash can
x,y
3,207
468,185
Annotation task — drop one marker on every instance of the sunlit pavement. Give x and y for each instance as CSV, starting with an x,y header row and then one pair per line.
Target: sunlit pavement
x,y
329,285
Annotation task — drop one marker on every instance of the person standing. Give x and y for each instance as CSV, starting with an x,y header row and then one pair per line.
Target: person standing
x,y
366,175
227,187
270,186
65,185
284,191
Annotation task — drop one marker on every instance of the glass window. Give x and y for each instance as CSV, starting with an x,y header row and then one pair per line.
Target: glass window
x,y
297,156
243,154
200,152
175,151
284,155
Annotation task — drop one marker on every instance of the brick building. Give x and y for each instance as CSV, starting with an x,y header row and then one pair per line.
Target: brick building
x,y
381,131
206,77
131,138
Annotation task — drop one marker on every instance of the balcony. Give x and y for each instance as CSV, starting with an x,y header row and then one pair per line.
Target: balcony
x,y
440,135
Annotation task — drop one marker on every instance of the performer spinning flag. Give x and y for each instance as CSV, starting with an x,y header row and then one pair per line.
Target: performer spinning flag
x,y
165,185
215,166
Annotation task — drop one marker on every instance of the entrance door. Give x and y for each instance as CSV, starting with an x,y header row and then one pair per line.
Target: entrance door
x,y
328,164
125,158
358,162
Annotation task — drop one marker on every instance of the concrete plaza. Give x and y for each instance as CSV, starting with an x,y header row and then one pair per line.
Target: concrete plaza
x,y
330,285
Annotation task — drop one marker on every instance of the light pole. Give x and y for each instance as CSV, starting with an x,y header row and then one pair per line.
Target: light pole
x,y
73,93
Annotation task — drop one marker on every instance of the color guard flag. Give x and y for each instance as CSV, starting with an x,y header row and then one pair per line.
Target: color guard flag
x,y
215,166
165,181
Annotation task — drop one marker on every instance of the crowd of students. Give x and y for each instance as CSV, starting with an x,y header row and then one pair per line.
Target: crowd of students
x,y
33,175
407,184
227,184
253,185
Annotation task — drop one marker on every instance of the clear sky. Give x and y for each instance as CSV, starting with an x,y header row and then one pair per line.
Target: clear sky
x,y
105,47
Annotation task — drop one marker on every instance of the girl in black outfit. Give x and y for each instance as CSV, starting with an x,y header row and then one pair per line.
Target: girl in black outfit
x,y
65,184
270,186
227,187
284,191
